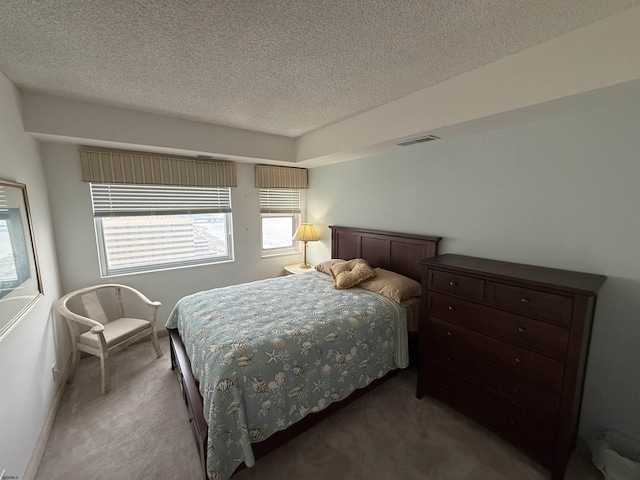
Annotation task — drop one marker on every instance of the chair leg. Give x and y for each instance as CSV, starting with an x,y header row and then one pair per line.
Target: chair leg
x,y
105,375
156,345
75,359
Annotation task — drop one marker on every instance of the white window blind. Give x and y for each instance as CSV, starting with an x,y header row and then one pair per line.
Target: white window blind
x,y
3,201
279,201
131,200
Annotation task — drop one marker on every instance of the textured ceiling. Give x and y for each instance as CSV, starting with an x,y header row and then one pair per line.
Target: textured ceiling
x,y
278,66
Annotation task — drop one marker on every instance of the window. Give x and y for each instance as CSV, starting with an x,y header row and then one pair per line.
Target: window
x,y
142,228
8,271
17,260
280,215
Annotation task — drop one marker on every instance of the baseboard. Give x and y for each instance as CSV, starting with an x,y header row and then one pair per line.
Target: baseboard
x,y
41,443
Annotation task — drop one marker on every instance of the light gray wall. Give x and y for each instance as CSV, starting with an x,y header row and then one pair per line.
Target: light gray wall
x,y
68,118
559,193
34,344
562,193
78,255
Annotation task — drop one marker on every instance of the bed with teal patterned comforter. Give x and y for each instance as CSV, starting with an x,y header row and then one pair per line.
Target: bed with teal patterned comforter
x,y
270,352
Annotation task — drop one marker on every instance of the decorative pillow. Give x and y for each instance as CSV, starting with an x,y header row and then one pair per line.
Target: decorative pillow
x,y
325,267
351,273
392,285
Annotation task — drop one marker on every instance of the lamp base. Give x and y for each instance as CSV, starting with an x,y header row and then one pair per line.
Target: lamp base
x,y
304,265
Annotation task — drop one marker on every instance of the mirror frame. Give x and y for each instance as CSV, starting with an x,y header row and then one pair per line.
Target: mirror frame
x,y
20,282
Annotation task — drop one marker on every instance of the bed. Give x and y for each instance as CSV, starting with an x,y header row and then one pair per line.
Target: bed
x,y
267,378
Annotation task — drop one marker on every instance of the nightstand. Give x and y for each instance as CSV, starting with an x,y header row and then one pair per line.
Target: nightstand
x,y
295,268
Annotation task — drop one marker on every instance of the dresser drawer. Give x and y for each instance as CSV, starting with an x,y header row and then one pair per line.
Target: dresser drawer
x,y
526,395
545,306
528,432
506,344
539,369
455,284
542,337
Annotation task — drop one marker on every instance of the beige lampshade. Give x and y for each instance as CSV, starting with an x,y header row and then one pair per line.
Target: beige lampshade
x,y
306,233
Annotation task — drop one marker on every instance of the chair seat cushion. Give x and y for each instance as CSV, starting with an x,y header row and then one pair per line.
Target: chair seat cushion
x,y
115,332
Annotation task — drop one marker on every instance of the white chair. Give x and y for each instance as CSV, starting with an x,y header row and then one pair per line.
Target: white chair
x,y
106,336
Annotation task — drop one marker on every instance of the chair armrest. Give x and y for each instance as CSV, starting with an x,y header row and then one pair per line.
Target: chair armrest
x,y
136,293
61,306
96,327
153,304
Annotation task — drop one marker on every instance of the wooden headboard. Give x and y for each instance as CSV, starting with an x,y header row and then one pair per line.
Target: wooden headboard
x,y
398,252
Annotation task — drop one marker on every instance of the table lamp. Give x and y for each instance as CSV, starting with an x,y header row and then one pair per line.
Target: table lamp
x,y
305,233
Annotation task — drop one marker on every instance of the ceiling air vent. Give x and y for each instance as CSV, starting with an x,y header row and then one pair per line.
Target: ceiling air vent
x,y
413,141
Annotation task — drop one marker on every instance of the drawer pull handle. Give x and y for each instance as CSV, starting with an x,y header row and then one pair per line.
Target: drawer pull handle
x,y
515,390
452,308
518,360
525,300
449,334
448,359
522,330
452,283
512,422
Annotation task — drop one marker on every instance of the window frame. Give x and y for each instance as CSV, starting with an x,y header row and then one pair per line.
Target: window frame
x,y
277,251
14,233
285,212
107,272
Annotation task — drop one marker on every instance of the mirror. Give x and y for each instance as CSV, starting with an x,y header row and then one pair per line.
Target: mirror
x,y
20,285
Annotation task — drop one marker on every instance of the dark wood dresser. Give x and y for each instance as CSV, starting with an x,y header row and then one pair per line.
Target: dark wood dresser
x,y
506,344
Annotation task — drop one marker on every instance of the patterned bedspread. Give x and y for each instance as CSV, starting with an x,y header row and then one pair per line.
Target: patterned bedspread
x,y
270,352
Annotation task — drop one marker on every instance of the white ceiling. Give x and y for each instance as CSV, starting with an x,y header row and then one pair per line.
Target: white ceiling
x,y
286,67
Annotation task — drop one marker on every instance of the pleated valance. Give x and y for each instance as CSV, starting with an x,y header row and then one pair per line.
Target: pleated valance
x,y
269,176
140,168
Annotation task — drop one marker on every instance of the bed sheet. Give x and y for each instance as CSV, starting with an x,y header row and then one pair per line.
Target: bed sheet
x,y
268,353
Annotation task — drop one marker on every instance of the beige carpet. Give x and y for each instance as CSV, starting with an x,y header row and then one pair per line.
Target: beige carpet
x,y
140,431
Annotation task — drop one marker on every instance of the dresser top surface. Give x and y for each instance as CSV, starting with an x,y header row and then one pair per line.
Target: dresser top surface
x,y
578,282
